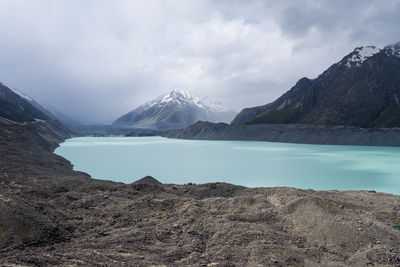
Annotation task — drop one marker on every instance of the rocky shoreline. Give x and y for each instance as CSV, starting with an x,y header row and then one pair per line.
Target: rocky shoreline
x,y
51,216
290,133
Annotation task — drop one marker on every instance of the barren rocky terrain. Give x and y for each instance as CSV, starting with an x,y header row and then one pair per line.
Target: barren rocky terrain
x,y
53,216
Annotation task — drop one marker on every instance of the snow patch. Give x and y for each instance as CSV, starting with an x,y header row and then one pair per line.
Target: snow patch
x,y
23,95
214,104
284,104
182,97
396,99
360,54
393,50
298,105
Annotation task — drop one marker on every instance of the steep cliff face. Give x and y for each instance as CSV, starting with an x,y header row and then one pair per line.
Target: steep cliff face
x,y
362,90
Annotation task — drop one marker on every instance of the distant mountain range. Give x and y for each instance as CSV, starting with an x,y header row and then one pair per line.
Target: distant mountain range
x,y
362,90
175,110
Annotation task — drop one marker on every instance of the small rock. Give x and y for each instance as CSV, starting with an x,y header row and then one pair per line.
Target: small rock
x,y
368,262
51,248
359,229
377,242
341,206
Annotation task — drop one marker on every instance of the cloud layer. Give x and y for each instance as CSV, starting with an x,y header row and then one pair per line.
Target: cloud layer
x,y
97,59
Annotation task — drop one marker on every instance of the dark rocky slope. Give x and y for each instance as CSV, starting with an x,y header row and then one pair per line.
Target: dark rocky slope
x,y
16,109
361,90
290,133
53,216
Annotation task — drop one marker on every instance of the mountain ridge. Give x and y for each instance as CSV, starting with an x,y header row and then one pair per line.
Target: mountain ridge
x,y
361,90
175,110
17,108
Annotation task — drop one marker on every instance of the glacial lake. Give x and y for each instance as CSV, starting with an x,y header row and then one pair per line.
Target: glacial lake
x,y
248,163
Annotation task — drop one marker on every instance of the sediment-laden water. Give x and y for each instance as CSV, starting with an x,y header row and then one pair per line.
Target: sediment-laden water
x,y
248,163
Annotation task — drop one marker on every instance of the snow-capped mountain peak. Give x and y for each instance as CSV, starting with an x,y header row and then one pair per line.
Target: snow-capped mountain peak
x,y
360,54
177,109
393,50
182,97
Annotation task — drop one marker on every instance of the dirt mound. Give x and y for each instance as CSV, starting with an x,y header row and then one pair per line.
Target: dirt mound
x,y
148,180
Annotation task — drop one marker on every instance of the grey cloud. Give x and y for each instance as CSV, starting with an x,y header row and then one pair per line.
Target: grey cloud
x,y
358,20
95,60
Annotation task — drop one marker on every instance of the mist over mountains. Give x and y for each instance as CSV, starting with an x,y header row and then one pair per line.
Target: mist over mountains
x,y
175,110
97,60
361,90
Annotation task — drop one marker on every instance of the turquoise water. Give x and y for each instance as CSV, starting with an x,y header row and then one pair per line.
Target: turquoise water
x,y
248,163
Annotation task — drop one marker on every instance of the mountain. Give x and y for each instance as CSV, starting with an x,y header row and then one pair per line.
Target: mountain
x,y
17,108
175,110
361,90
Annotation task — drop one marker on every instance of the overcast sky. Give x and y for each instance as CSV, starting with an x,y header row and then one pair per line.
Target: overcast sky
x,y
97,59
